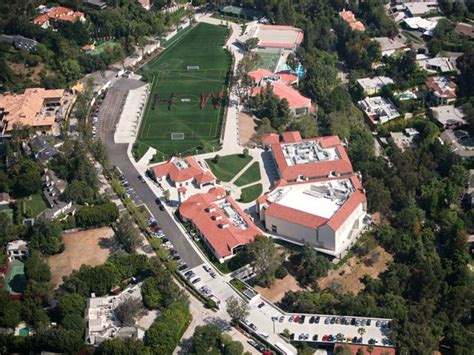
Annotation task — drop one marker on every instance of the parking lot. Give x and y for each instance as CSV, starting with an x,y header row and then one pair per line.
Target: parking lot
x,y
217,288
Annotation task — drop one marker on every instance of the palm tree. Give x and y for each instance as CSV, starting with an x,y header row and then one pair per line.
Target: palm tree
x,y
361,331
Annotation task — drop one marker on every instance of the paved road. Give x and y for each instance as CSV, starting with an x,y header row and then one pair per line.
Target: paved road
x,y
110,113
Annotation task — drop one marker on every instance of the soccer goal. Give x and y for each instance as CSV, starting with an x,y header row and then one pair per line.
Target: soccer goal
x,y
177,136
193,67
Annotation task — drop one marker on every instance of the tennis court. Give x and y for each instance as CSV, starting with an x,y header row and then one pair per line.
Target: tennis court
x,y
15,281
186,105
269,59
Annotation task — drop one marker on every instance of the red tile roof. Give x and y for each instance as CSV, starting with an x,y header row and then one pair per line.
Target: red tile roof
x,y
349,18
287,77
270,138
214,224
448,91
194,171
314,221
313,169
59,13
293,96
259,74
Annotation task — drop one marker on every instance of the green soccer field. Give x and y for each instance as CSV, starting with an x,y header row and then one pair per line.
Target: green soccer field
x,y
194,66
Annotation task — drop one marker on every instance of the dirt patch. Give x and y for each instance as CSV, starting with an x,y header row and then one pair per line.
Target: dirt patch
x,y
247,127
277,291
22,69
347,278
91,247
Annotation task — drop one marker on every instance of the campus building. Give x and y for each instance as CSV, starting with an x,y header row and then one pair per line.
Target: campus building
x,y
299,159
36,107
378,110
318,200
57,13
327,213
181,172
298,104
219,220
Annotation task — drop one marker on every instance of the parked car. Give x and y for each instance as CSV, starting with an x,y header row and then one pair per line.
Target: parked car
x,y
253,327
190,274
291,319
311,320
297,319
333,320
183,267
368,322
378,323
196,280
207,268
261,305
282,318
302,319
315,337
327,320
213,274
317,319
263,335
141,178
324,338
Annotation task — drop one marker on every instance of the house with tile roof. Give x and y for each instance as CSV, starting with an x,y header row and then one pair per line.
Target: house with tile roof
x,y
442,88
349,18
36,107
299,159
58,13
222,224
181,172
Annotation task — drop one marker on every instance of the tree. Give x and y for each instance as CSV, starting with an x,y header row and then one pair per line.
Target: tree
x,y
264,259
92,216
27,178
306,125
75,323
166,195
312,265
251,44
36,268
71,303
238,310
128,310
10,311
47,237
120,346
128,233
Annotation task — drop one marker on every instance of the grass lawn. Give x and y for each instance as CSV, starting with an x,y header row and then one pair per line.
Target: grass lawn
x,y
100,48
34,205
174,122
139,150
252,174
251,193
228,166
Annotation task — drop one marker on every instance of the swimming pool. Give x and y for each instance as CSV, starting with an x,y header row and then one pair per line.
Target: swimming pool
x,y
299,71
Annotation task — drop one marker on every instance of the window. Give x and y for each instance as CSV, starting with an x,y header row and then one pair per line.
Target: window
x,y
274,228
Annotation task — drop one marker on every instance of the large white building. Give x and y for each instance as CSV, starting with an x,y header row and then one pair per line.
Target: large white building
x,y
378,110
318,200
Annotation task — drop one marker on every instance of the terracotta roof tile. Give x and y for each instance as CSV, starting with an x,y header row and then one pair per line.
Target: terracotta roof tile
x,y
193,171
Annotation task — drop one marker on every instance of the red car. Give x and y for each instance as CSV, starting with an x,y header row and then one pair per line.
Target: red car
x,y
324,338
297,319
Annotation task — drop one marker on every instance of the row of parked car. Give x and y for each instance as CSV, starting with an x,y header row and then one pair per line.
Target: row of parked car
x,y
358,322
130,191
158,233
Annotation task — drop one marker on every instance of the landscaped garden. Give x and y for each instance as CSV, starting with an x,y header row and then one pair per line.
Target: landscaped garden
x,y
252,174
225,168
251,193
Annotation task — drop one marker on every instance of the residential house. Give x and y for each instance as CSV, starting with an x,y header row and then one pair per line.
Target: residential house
x,y
42,149
372,86
53,188
36,107
221,223
404,139
436,64
4,199
349,17
102,321
465,29
420,24
448,116
420,8
378,110
146,4
19,42
96,4
58,13
442,89
391,45
17,250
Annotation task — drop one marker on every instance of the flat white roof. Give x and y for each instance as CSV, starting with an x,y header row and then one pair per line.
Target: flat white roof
x,y
377,82
307,152
16,244
317,198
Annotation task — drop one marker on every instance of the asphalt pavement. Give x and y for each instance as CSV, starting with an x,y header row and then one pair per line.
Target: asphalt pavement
x,y
109,113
